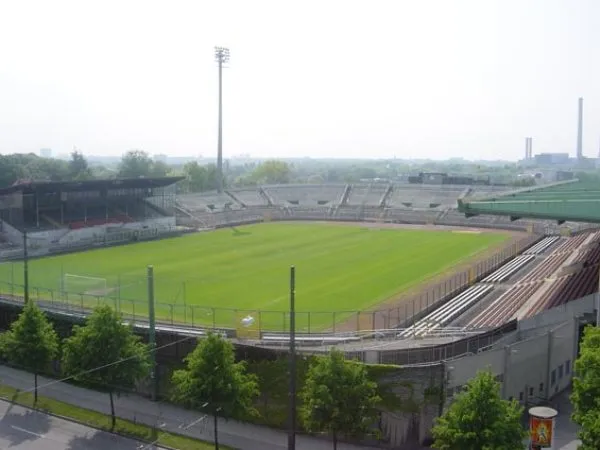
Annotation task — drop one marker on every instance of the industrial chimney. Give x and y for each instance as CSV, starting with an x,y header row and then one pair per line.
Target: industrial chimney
x,y
580,130
528,152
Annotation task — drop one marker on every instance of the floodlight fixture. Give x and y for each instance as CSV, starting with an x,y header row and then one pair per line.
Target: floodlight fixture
x,y
221,54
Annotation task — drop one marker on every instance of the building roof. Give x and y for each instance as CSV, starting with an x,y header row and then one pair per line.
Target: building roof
x,y
30,187
574,200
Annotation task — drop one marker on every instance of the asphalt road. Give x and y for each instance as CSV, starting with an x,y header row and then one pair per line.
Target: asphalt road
x,y
26,429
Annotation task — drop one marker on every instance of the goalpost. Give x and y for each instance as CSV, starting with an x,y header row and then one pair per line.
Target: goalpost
x,y
80,284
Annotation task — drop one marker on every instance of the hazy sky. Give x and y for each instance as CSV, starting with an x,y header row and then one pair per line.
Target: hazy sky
x,y
307,78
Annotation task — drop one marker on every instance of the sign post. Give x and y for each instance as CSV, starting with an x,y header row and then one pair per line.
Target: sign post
x,y
541,427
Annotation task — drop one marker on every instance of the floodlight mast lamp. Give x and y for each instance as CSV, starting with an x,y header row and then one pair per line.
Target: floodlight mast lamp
x,y
222,57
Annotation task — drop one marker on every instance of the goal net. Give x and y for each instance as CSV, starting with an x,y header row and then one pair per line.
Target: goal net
x,y
80,284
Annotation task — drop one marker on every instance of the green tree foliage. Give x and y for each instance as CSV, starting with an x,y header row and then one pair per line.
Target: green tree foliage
x,y
524,182
200,178
136,164
31,167
31,342
78,167
160,169
105,354
272,172
214,382
586,389
479,419
338,397
273,379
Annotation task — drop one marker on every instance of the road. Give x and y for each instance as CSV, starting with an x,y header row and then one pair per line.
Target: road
x,y
25,429
170,418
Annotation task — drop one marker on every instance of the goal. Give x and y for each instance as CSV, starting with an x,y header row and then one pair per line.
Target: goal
x,y
81,284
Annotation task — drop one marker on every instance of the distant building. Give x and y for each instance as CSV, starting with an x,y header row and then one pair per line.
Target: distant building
x,y
437,178
46,152
562,175
552,158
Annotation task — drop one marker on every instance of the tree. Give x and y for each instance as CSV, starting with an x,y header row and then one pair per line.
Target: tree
x,y
214,382
31,342
159,169
78,167
338,397
135,164
272,172
586,389
479,419
200,178
105,354
524,182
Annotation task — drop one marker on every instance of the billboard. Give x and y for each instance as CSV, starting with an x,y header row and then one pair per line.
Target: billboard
x,y
541,430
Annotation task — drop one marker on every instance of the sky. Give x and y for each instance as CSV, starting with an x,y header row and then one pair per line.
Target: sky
x,y
329,78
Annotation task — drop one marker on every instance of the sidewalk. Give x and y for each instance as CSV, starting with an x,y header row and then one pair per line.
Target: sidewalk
x,y
565,437
168,417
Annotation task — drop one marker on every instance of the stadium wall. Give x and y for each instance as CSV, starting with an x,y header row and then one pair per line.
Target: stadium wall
x,y
531,371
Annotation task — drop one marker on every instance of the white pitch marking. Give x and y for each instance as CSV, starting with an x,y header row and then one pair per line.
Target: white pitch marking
x,y
23,430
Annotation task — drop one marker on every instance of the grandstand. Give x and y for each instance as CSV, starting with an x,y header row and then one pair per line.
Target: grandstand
x,y
386,202
58,215
368,194
306,194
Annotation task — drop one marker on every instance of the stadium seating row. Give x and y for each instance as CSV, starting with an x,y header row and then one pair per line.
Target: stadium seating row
x,y
540,289
509,269
504,306
447,313
405,196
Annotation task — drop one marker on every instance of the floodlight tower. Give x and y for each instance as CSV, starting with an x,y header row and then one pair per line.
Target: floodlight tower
x,y
222,57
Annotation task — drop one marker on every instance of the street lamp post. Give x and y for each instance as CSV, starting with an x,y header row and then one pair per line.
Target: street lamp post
x,y
25,269
292,362
222,57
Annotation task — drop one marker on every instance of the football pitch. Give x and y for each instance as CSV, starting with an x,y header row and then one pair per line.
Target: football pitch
x,y
219,277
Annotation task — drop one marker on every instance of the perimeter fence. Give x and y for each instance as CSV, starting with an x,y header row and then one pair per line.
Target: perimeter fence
x,y
66,289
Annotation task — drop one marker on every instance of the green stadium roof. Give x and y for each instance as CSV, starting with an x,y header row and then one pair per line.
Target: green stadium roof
x,y
574,201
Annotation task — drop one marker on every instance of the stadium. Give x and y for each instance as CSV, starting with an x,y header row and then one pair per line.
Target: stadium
x,y
409,274
351,278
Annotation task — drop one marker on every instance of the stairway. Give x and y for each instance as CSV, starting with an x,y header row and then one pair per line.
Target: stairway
x,y
264,194
385,196
345,195
235,199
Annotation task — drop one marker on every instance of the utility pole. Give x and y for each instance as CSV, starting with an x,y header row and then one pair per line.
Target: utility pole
x,y
25,269
152,333
292,412
222,57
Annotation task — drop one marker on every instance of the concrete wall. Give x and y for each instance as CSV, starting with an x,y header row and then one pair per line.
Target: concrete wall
x,y
13,235
531,370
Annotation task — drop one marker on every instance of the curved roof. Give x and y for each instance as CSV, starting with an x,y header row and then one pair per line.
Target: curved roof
x,y
89,185
574,200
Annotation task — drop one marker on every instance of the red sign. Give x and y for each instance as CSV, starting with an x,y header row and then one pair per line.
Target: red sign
x,y
541,431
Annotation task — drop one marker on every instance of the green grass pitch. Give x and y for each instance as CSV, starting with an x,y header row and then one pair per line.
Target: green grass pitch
x,y
230,273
